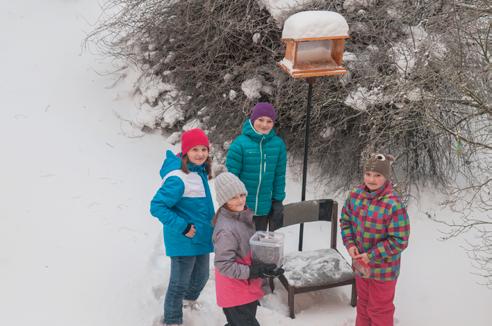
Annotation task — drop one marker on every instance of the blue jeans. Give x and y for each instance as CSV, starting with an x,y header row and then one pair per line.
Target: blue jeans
x,y
189,274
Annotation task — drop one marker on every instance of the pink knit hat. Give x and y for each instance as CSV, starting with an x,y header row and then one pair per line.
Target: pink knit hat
x,y
192,138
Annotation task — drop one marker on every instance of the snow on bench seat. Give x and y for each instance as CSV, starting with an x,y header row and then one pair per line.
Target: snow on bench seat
x,y
316,267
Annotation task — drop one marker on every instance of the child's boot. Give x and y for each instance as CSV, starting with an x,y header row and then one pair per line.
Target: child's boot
x,y
191,304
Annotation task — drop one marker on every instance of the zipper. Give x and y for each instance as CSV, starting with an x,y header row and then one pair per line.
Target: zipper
x,y
364,218
259,178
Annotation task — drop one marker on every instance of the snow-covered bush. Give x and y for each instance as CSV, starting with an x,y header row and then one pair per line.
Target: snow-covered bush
x,y
220,55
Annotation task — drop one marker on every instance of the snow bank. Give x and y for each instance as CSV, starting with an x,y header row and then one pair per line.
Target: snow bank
x,y
327,132
151,87
194,123
253,86
232,94
404,53
349,56
362,97
148,116
353,5
156,104
279,9
315,24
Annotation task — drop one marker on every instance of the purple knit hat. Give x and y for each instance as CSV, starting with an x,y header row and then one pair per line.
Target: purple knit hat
x,y
263,109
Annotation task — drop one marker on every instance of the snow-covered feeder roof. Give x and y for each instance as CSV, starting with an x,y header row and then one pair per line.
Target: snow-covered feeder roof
x,y
315,24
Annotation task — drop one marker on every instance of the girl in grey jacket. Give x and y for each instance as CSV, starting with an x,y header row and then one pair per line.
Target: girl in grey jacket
x,y
238,280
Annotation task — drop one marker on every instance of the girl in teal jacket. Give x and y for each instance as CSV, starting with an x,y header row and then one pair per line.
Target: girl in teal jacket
x,y
259,158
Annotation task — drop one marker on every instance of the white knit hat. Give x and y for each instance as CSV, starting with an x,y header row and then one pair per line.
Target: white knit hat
x,y
227,185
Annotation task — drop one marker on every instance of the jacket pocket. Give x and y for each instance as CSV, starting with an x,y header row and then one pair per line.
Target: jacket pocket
x,y
203,234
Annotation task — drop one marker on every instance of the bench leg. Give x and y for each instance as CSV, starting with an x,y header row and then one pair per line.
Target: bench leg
x,y
353,300
272,285
291,303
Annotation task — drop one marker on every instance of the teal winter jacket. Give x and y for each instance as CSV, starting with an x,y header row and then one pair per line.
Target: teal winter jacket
x,y
260,162
184,199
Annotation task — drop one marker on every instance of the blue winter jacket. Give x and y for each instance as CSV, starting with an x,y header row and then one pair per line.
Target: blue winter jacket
x,y
260,162
183,199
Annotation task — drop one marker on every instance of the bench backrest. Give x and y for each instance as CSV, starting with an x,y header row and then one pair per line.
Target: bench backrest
x,y
314,210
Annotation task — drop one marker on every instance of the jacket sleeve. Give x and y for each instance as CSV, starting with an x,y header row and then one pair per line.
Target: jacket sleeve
x,y
166,197
225,257
397,235
348,235
234,158
279,179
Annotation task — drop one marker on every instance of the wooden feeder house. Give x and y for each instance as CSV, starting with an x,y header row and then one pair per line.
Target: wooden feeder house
x,y
314,44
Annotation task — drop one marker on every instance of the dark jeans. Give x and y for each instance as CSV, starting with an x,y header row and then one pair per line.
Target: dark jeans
x,y
261,222
273,221
244,315
189,274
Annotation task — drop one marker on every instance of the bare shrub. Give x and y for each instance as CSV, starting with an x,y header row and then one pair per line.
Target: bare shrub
x,y
463,99
208,49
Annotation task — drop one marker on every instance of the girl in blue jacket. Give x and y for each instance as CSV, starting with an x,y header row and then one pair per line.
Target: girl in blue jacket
x,y
259,158
184,206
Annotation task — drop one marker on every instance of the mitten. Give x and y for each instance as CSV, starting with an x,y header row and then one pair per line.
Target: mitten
x,y
258,269
276,215
276,272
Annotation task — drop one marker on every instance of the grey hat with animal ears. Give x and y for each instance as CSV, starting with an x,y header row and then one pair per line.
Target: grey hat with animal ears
x,y
380,163
227,186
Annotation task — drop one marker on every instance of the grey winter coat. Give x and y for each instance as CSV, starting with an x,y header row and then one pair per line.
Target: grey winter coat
x,y
232,259
231,241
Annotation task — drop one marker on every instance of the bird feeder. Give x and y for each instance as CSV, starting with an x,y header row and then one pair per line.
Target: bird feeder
x,y
314,44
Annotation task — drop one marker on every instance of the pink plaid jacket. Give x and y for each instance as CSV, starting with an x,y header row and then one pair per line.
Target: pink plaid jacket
x,y
377,224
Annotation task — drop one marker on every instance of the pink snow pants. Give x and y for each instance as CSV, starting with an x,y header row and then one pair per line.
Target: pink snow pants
x,y
374,302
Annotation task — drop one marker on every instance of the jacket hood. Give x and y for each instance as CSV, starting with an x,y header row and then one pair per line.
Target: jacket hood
x,y
171,162
249,131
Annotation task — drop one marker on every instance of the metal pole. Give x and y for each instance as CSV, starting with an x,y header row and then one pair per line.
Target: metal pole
x,y
310,82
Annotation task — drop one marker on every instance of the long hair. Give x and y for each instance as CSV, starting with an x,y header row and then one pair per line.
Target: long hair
x,y
216,216
208,165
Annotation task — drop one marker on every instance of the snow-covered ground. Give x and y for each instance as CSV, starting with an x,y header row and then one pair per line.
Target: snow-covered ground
x,y
77,243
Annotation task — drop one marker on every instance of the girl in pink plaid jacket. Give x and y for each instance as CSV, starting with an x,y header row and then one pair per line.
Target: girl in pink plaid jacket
x,y
375,230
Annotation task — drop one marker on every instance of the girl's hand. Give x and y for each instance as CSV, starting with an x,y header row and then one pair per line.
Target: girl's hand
x,y
363,257
353,251
191,233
